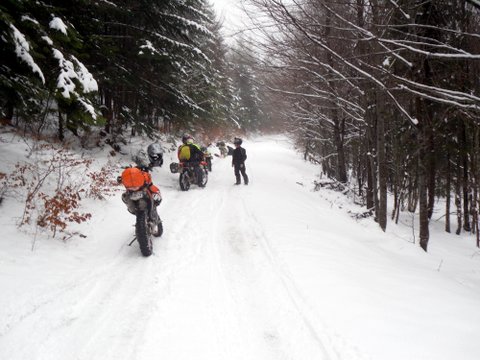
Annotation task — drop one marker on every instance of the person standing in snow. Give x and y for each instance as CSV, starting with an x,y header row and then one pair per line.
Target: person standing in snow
x,y
238,161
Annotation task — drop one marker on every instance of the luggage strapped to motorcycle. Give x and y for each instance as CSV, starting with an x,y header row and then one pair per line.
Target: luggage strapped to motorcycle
x,y
134,178
174,167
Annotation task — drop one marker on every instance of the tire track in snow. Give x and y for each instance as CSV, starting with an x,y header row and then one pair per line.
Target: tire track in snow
x,y
332,345
257,287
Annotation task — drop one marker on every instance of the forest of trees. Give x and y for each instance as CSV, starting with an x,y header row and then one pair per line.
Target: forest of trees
x,y
80,65
383,94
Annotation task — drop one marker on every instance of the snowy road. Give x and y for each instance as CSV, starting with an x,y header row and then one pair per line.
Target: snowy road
x,y
214,288
238,274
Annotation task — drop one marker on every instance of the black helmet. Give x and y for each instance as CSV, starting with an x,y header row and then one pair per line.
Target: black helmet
x,y
237,141
155,154
186,137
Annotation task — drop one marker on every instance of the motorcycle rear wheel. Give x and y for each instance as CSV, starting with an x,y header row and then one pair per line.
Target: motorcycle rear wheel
x,y
184,181
204,179
142,231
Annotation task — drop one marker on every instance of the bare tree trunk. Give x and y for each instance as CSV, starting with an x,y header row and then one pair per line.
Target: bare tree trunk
x,y
448,187
61,128
372,157
338,130
476,175
395,199
413,193
475,213
423,201
458,197
381,162
401,199
431,162
370,141
423,164
465,184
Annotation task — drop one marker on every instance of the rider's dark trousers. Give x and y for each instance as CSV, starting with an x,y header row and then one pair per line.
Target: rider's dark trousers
x,y
240,169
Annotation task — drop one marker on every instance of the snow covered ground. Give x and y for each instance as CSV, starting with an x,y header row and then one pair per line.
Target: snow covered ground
x,y
269,271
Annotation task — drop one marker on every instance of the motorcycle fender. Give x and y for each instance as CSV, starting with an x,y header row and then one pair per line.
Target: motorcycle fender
x,y
141,205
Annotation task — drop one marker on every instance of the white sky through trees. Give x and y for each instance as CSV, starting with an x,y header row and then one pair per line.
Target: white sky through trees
x,y
230,13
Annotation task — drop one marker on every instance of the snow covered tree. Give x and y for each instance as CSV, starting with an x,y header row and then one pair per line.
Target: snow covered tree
x,y
247,106
42,50
144,62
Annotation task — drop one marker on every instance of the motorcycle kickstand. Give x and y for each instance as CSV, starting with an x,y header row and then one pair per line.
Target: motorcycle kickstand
x,y
131,242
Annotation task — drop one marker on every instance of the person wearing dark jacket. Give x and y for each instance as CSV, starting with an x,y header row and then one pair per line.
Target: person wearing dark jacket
x,y
238,161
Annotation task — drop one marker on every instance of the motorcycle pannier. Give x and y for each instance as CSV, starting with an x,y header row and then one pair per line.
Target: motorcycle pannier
x,y
174,167
133,178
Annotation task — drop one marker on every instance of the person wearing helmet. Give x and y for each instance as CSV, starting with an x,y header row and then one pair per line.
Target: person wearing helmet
x,y
155,155
238,161
186,137
190,153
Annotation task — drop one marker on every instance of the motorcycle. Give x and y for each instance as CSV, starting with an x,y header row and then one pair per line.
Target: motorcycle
x,y
141,202
208,158
188,174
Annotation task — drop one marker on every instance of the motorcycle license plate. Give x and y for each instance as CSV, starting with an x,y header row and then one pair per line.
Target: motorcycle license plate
x,y
137,195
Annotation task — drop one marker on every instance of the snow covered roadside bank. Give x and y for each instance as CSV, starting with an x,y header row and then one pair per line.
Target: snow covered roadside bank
x,y
266,271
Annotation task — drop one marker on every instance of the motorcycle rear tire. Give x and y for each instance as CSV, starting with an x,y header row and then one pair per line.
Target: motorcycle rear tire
x,y
184,181
204,179
142,231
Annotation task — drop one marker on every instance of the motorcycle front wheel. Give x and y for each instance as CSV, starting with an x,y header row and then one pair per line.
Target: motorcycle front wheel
x,y
142,231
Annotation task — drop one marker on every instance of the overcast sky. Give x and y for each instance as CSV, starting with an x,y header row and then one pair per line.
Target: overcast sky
x,y
230,13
